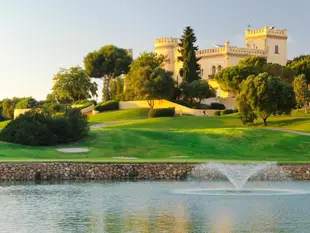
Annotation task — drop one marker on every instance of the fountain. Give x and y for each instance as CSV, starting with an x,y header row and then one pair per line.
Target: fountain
x,y
238,175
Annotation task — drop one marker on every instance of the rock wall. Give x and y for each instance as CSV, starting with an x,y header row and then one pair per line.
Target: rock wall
x,y
109,171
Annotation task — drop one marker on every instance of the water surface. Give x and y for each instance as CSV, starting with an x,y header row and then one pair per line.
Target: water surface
x,y
150,207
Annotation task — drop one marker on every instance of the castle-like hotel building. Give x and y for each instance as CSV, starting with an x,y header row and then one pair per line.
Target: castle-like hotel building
x,y
266,42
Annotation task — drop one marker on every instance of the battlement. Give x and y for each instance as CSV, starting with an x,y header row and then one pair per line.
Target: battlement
x,y
231,50
266,31
169,41
246,51
207,52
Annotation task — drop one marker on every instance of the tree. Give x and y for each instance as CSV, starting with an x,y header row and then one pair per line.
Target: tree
x,y
285,73
301,91
116,89
191,69
73,84
198,89
267,95
148,80
8,106
301,65
107,63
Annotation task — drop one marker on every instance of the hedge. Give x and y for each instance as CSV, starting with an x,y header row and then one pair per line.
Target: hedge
x,y
36,128
217,106
107,106
227,111
161,112
217,113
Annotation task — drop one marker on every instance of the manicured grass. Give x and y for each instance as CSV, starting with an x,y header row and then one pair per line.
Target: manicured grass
x,y
158,140
132,114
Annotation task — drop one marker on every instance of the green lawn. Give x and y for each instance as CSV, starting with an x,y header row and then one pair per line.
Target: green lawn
x,y
132,114
160,139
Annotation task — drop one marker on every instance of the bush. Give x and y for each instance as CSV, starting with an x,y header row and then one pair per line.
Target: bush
x,y
54,107
226,112
107,106
217,113
26,103
161,112
217,106
41,129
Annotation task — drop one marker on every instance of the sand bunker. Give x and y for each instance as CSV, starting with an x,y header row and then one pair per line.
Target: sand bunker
x,y
73,150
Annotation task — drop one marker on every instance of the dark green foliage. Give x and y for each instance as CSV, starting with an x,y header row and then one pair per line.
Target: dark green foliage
x,y
36,128
194,105
54,107
161,112
26,103
191,69
217,106
267,95
247,117
79,123
226,112
107,106
107,63
116,89
301,65
198,89
217,113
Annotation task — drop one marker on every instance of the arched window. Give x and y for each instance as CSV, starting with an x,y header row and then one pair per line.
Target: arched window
x,y
213,70
219,67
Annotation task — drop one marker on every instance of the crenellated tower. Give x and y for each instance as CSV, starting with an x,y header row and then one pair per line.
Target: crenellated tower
x,y
272,41
169,48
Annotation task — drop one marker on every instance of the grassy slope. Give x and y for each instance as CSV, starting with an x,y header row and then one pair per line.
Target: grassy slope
x,y
199,138
132,114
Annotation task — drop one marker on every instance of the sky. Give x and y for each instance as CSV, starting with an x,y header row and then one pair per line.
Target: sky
x,y
37,37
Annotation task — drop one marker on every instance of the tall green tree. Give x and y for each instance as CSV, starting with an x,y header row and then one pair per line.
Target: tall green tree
x,y
191,69
8,106
116,88
107,63
301,65
301,91
73,84
147,79
267,95
198,89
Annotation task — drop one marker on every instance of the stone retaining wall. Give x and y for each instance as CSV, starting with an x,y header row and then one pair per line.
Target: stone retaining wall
x,y
109,171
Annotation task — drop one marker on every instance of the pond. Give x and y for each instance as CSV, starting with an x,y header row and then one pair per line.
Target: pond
x,y
154,207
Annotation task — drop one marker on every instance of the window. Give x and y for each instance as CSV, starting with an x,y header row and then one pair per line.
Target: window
x,y
201,73
213,70
219,67
276,49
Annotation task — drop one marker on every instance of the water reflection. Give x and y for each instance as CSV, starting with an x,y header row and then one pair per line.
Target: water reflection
x,y
145,207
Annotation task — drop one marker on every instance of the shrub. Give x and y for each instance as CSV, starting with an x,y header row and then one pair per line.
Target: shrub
x,y
107,106
26,103
217,113
217,106
161,112
227,111
54,107
235,110
36,128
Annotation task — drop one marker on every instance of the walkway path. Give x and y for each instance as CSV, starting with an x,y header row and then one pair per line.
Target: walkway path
x,y
289,131
98,126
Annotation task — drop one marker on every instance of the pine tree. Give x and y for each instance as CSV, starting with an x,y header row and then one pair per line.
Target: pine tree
x,y
191,68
